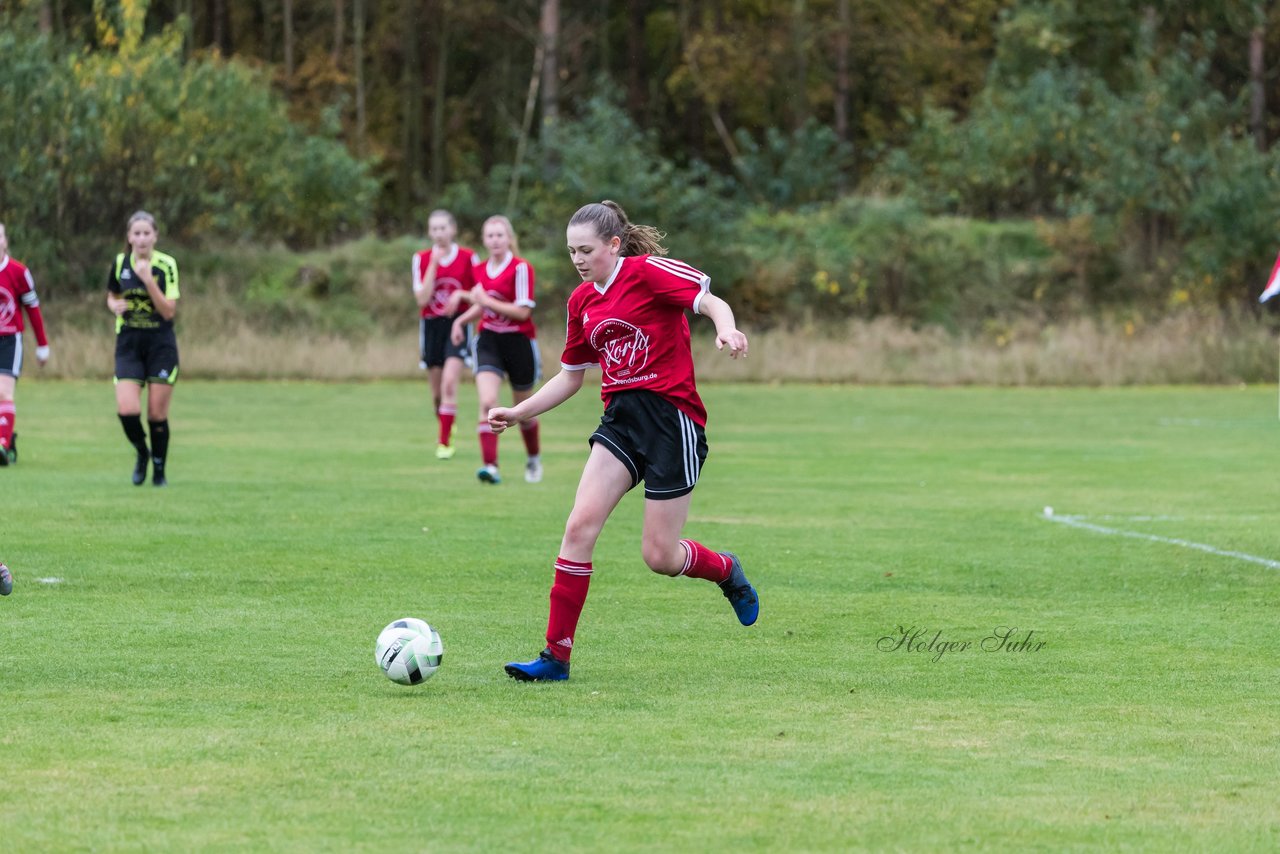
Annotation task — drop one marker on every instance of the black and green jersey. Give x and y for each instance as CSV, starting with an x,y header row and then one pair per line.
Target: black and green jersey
x,y
141,313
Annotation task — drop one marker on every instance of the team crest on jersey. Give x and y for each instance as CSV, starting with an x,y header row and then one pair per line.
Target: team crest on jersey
x,y
8,308
445,287
625,348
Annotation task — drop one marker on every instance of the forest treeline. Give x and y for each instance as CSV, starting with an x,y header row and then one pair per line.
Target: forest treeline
x,y
942,161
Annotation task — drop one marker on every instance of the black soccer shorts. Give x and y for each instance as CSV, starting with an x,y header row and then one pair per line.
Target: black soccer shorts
x,y
510,354
11,355
147,356
434,344
658,443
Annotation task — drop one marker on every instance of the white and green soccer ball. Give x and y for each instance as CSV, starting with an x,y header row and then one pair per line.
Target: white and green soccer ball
x,y
409,651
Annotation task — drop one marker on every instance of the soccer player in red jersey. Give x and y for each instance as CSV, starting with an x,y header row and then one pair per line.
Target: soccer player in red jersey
x,y
628,316
507,345
438,273
142,292
17,292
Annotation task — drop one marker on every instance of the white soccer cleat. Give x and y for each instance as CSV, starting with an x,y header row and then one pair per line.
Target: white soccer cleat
x,y
533,471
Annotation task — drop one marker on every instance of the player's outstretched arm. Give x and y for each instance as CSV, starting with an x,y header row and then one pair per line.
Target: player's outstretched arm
x,y
554,392
727,333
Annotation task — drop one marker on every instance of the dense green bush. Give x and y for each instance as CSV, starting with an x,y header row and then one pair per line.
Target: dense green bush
x,y
869,257
203,144
1153,154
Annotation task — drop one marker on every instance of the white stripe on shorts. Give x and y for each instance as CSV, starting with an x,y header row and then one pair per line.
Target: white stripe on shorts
x,y
689,444
16,368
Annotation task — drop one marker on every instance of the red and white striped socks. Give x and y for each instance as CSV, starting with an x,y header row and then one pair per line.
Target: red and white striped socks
x,y
446,414
702,562
568,594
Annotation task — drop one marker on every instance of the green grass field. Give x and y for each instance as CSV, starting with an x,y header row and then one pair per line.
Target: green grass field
x,y
200,675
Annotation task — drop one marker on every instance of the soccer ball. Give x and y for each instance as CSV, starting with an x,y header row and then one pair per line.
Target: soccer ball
x,y
409,651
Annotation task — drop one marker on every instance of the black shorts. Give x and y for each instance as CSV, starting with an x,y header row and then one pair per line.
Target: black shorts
x,y
657,442
434,344
147,356
11,355
510,354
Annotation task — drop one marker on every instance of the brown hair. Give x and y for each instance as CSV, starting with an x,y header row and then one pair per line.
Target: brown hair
x,y
137,215
444,213
610,220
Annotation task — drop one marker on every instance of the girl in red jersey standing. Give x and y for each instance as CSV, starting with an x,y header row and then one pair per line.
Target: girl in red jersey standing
x,y
507,345
17,292
438,273
628,316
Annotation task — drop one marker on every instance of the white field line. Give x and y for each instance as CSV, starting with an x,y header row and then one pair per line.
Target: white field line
x,y
1078,522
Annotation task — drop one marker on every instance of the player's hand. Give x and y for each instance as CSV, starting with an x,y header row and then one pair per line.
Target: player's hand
x,y
142,266
735,341
500,418
117,306
456,334
42,355
477,295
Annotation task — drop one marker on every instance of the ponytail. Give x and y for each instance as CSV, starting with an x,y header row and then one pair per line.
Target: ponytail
x,y
609,221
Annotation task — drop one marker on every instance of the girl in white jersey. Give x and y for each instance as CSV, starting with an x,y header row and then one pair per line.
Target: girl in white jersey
x,y
628,316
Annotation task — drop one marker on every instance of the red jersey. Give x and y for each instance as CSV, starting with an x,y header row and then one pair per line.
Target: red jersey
x,y
510,280
635,328
453,273
18,291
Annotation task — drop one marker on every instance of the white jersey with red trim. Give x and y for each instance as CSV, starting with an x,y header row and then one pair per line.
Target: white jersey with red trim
x,y
453,274
634,327
18,290
510,280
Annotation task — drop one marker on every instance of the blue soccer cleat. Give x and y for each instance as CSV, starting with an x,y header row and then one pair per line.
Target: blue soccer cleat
x,y
741,595
544,668
489,474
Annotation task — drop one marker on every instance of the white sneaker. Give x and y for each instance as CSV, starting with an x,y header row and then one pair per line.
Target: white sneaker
x,y
533,471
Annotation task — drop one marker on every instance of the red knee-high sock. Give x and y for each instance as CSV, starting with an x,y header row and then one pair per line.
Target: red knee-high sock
x,y
7,415
446,415
529,432
488,444
568,593
702,562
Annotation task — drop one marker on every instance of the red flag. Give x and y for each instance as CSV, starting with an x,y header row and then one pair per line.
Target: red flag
x,y
1273,283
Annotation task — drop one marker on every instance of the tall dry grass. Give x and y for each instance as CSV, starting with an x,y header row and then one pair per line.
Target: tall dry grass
x,y
1188,348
